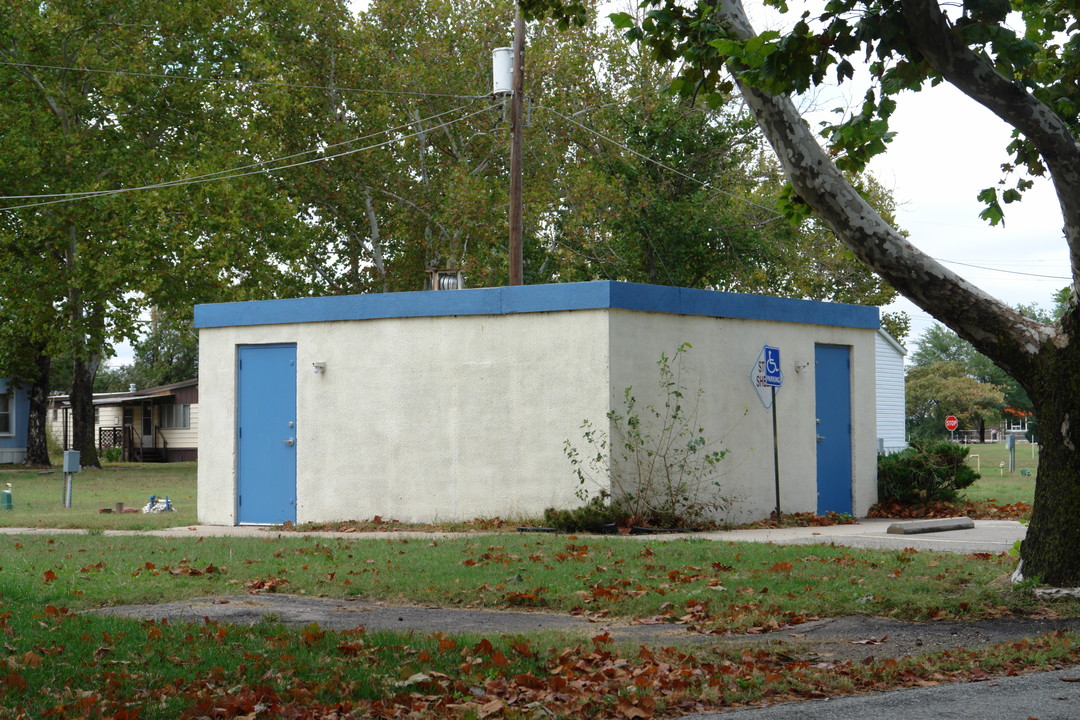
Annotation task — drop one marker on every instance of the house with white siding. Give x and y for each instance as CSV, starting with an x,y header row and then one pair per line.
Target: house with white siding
x,y
891,410
157,424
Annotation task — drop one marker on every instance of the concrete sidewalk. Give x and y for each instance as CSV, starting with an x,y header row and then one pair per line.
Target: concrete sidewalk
x,y
988,536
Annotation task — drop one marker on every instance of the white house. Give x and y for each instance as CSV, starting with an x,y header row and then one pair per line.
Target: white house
x,y
156,424
457,404
891,414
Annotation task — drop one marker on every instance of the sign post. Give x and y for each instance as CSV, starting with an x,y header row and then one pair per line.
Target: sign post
x,y
767,377
951,423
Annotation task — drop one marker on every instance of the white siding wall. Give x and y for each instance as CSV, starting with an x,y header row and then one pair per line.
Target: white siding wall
x,y
891,412
113,416
184,437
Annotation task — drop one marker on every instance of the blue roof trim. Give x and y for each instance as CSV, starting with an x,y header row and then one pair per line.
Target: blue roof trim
x,y
600,294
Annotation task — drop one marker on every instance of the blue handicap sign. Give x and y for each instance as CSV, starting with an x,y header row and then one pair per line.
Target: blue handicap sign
x,y
773,376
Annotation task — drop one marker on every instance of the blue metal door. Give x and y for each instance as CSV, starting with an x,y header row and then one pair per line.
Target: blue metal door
x,y
266,434
832,385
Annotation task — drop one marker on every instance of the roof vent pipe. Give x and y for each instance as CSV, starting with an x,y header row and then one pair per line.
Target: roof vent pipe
x,y
131,388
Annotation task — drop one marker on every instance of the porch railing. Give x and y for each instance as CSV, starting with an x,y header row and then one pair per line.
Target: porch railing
x,y
131,442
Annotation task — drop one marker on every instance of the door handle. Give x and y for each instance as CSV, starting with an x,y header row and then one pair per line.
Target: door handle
x,y
820,438
290,442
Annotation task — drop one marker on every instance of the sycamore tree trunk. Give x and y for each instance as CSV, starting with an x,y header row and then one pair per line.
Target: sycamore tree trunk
x,y
1043,358
37,446
1052,548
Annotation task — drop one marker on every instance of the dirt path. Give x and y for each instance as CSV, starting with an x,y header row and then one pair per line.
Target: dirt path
x,y
833,639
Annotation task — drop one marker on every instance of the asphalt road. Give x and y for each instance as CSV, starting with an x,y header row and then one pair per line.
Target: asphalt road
x,y
1039,696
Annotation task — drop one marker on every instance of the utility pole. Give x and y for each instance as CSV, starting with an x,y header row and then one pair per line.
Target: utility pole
x,y
517,105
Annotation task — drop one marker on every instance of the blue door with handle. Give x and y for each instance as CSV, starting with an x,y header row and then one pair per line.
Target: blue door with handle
x,y
832,387
266,434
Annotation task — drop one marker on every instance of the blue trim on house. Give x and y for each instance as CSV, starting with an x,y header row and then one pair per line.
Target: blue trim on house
x,y
601,294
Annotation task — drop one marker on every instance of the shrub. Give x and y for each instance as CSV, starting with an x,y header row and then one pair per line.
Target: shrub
x,y
594,516
925,472
659,468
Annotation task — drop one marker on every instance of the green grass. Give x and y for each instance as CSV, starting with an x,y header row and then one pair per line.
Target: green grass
x,y
38,496
997,483
734,586
63,663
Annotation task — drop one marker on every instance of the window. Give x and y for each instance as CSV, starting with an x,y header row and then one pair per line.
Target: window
x,y
174,416
5,414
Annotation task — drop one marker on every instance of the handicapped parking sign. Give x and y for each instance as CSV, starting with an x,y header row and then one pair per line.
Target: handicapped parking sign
x,y
766,374
773,376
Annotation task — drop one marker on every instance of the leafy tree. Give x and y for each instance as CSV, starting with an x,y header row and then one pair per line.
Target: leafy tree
x,y
668,191
1027,78
680,217
25,336
90,265
168,353
808,261
592,208
944,388
939,344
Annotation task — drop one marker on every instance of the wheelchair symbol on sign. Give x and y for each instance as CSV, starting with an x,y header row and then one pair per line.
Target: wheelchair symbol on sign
x,y
774,377
766,375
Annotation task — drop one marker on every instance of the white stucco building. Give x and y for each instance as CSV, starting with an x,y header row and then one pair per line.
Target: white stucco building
x,y
457,404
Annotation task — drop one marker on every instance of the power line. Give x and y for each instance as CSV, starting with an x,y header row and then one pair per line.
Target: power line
x,y
241,81
258,167
1007,272
211,175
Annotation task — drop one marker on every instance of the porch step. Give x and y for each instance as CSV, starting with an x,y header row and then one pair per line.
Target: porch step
x,y
153,455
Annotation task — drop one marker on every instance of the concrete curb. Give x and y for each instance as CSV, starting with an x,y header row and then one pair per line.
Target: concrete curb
x,y
913,527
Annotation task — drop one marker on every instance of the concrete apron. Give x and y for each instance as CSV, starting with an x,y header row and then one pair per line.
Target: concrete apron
x,y
987,536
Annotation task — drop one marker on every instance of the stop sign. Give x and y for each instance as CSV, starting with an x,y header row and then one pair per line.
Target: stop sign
x,y
951,423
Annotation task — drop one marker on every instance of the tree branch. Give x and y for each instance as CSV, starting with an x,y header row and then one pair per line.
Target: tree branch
x,y
931,34
1002,333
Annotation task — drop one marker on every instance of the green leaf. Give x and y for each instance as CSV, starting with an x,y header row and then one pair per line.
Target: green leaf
x,y
993,212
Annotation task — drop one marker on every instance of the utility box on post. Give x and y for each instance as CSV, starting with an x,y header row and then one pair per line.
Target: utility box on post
x,y
71,465
71,461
